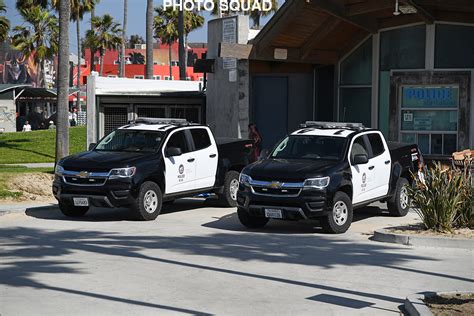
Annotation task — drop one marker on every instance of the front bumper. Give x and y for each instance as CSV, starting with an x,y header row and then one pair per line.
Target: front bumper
x,y
307,203
113,193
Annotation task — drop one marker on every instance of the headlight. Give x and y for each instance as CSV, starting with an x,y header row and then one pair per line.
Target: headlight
x,y
122,172
58,170
316,183
244,179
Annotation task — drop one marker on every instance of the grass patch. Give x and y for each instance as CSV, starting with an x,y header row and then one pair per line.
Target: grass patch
x,y
7,172
38,146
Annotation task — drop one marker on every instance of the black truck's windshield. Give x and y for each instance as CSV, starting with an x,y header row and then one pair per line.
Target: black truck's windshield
x,y
310,147
131,141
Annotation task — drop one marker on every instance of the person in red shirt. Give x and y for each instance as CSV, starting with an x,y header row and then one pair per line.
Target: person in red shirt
x,y
257,141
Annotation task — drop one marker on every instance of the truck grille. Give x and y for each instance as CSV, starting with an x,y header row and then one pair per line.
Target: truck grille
x,y
84,181
276,188
280,192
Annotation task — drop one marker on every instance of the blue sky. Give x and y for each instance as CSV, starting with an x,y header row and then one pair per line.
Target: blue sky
x,y
136,18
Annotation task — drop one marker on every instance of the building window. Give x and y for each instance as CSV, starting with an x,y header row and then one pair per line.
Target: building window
x,y
454,46
355,89
168,78
201,79
112,76
403,48
429,117
157,77
139,77
188,78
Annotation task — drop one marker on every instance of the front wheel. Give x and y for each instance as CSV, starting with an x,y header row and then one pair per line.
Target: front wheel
x,y
340,218
149,201
251,221
400,203
72,211
228,197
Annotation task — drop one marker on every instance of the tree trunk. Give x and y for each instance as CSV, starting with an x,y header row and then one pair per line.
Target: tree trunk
x,y
42,77
182,61
149,39
79,52
62,124
92,51
171,66
101,63
124,39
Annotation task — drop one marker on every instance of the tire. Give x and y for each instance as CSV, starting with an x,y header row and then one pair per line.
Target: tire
x,y
251,221
228,197
72,211
399,205
340,218
149,201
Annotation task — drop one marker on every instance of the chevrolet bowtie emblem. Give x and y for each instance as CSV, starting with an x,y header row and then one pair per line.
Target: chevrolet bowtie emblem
x,y
83,174
275,185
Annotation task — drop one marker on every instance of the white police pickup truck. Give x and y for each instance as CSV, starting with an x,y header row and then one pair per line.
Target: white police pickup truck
x,y
148,162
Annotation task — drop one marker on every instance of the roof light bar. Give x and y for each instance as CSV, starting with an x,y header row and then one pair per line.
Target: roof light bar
x,y
153,120
332,125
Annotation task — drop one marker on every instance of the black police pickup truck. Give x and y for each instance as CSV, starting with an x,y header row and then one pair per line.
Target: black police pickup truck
x,y
323,171
148,162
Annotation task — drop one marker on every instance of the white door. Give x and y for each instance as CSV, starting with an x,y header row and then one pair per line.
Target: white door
x,y
206,157
360,173
380,166
180,171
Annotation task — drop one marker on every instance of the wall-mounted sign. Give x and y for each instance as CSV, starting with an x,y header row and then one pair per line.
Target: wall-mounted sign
x,y
280,53
232,75
229,63
229,31
430,96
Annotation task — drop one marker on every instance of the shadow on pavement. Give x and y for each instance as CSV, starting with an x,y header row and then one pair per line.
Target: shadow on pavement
x,y
96,214
27,252
231,222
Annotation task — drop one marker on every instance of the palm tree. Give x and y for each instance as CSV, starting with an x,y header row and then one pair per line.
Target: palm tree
x,y
106,35
39,38
96,2
166,26
4,22
124,39
166,29
62,129
149,39
137,58
135,39
78,9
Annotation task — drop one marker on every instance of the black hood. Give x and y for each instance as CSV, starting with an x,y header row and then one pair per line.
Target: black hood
x,y
104,160
289,169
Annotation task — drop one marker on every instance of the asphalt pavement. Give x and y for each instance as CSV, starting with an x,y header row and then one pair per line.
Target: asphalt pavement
x,y
196,258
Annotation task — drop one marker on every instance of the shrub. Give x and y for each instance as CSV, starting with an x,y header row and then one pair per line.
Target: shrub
x,y
443,199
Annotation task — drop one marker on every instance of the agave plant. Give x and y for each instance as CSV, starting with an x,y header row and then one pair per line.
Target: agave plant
x,y
443,198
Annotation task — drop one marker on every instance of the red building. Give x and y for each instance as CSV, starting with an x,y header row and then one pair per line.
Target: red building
x,y
135,60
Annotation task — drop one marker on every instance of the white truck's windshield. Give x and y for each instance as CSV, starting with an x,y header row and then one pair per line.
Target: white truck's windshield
x,y
131,141
310,147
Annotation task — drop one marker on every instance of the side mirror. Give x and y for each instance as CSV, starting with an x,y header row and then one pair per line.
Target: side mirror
x,y
92,146
360,159
173,151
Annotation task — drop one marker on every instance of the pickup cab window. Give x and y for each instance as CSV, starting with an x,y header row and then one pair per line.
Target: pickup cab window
x,y
200,138
131,141
310,147
178,140
359,147
376,144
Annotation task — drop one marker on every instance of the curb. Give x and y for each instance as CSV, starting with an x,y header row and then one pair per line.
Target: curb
x,y
415,306
384,235
21,208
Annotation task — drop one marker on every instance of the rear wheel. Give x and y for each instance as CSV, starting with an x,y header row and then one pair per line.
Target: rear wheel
x,y
228,197
149,201
70,210
399,205
251,221
340,218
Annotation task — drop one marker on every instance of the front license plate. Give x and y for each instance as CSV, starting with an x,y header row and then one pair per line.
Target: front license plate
x,y
80,201
273,213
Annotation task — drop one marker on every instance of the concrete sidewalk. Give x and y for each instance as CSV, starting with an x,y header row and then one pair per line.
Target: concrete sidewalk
x,y
23,206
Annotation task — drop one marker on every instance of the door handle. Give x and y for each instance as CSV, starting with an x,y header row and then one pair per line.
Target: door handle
x,y
387,162
371,167
191,159
212,155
